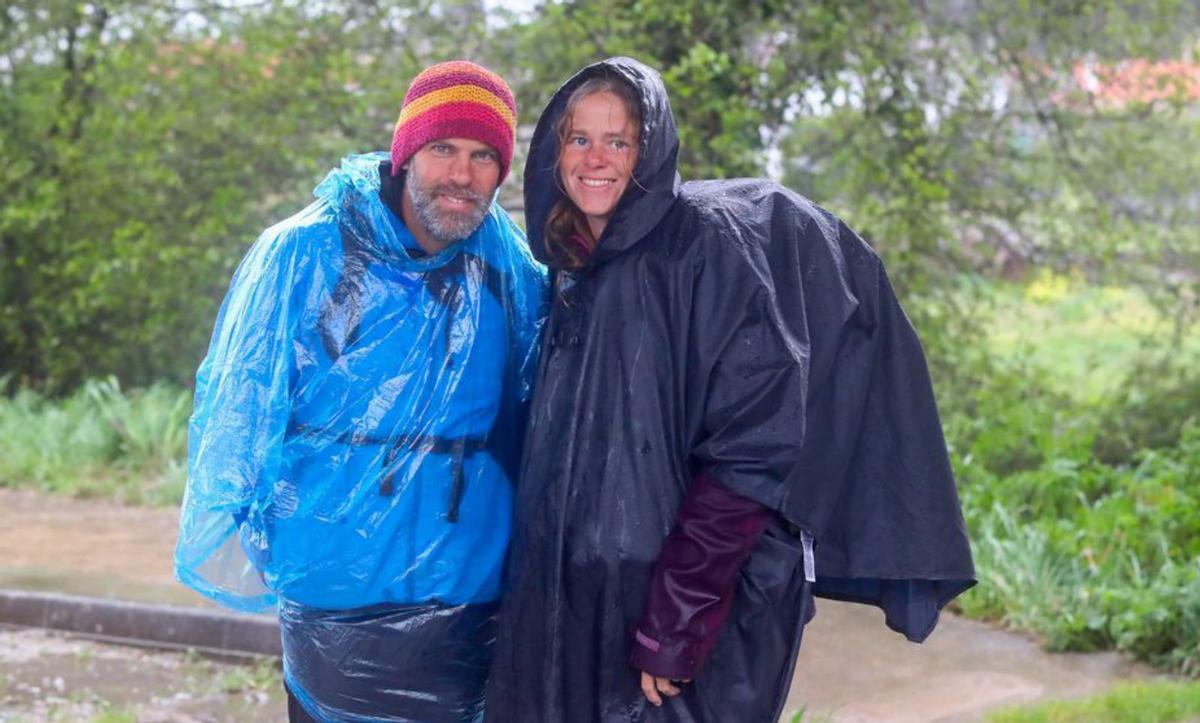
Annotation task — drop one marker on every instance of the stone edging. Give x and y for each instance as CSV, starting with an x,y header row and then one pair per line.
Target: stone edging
x,y
161,626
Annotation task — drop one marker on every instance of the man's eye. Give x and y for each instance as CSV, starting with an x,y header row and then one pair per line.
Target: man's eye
x,y
440,148
578,141
488,158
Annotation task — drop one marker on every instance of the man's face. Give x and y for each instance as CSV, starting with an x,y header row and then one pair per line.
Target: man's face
x,y
450,183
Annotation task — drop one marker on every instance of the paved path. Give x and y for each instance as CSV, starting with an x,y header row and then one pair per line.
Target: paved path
x,y
851,670
852,666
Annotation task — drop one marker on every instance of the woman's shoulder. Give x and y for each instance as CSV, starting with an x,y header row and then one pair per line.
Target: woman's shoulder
x,y
750,201
752,212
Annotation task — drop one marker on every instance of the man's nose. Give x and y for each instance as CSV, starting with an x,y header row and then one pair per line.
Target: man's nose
x,y
460,170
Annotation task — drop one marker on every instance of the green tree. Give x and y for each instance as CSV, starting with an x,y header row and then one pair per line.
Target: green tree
x,y
144,146
945,131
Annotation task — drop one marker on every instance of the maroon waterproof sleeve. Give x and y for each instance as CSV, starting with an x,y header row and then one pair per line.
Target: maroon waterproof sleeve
x,y
692,587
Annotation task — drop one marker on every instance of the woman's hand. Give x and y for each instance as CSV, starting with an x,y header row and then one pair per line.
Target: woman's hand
x,y
652,685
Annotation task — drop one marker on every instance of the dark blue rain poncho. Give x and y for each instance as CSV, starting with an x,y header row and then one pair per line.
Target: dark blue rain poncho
x,y
735,331
355,435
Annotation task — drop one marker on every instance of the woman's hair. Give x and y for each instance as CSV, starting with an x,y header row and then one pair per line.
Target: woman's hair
x,y
568,238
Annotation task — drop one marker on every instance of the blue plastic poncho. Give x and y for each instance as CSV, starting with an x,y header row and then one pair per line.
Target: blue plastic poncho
x,y
358,417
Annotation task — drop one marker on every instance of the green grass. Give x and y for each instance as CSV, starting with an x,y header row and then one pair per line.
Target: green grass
x,y
116,716
99,442
262,675
804,715
1084,338
1159,702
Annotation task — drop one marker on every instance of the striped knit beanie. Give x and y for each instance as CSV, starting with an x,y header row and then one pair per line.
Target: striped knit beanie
x,y
456,99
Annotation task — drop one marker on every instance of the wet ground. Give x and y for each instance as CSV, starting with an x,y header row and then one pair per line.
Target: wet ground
x,y
89,547
49,677
851,669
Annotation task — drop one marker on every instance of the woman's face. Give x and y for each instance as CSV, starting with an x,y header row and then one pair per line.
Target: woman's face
x,y
598,157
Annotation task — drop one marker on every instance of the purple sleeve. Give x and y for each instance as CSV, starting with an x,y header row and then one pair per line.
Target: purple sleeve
x,y
692,588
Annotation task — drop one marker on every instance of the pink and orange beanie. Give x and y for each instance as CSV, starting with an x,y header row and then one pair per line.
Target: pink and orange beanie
x,y
456,99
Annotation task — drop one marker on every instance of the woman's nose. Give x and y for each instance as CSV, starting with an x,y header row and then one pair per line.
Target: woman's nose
x,y
594,156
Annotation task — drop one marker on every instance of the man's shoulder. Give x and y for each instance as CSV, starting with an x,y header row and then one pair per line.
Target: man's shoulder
x,y
312,229
291,250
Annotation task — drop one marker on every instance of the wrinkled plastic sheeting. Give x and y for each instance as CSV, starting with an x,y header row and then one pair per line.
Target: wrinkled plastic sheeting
x,y
358,417
366,665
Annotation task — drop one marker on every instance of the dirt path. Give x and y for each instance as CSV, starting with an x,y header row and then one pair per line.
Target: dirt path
x,y
88,547
851,669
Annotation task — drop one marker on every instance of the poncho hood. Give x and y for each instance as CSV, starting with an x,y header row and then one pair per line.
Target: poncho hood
x,y
647,200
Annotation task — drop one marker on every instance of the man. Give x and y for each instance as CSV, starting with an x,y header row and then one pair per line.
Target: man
x,y
357,419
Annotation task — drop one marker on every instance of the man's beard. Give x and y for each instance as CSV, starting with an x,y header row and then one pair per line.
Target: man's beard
x,y
446,227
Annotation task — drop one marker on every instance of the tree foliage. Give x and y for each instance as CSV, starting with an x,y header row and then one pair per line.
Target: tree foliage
x,y
142,146
952,134
962,133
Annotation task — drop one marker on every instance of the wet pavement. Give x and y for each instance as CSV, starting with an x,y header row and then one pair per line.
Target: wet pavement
x,y
852,669
89,547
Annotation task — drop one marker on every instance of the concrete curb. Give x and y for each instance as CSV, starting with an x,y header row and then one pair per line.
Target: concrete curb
x,y
173,627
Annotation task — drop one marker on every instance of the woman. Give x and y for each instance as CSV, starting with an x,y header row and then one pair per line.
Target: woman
x,y
725,377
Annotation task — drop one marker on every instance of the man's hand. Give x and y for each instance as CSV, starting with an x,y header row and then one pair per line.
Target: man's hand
x,y
652,685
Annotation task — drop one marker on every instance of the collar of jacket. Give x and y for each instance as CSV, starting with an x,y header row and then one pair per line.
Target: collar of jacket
x,y
656,181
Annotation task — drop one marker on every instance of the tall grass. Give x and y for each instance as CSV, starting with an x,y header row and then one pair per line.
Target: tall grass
x,y
99,442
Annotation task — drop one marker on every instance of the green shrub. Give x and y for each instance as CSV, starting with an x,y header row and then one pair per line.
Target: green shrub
x,y
1082,496
1091,556
1160,394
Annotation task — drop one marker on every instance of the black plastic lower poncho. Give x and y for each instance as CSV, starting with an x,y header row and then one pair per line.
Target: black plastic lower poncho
x,y
732,329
